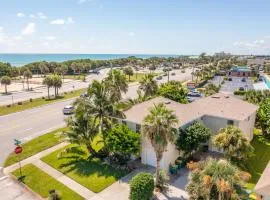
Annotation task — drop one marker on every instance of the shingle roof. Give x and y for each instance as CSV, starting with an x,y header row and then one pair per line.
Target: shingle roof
x,y
263,185
218,105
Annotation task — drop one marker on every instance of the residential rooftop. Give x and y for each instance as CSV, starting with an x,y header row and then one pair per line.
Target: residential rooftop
x,y
263,185
218,105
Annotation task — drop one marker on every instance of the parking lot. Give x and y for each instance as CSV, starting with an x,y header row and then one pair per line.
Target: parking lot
x,y
234,84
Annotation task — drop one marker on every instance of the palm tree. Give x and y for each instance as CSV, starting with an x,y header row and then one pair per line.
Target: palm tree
x,y
5,80
116,83
158,128
149,85
100,106
233,142
82,130
48,81
57,83
216,179
27,74
129,72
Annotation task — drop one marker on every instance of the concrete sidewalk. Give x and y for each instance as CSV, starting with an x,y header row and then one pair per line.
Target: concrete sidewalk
x,y
34,158
73,185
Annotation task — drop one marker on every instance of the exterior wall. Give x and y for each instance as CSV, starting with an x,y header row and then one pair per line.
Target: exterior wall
x,y
247,126
215,124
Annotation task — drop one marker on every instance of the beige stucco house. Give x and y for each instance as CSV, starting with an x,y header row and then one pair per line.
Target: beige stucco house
x,y
215,112
262,188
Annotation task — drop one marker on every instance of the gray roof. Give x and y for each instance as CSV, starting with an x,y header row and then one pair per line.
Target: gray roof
x,y
218,105
263,185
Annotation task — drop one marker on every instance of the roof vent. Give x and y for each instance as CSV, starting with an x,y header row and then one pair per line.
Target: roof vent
x,y
216,97
167,102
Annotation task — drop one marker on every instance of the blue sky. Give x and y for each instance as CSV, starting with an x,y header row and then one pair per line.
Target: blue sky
x,y
141,26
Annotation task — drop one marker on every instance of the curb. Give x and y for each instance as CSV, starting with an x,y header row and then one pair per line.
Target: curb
x,y
38,107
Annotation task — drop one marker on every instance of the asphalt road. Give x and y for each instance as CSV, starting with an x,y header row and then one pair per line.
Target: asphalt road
x,y
28,124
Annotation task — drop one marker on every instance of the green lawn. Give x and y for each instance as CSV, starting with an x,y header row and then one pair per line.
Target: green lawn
x,y
4,110
36,145
92,174
138,77
257,163
42,183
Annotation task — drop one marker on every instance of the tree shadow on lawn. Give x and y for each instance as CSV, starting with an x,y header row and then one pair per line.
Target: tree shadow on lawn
x,y
86,167
83,166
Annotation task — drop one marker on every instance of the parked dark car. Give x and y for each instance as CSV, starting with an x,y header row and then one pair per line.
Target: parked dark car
x,y
173,74
194,94
230,79
243,79
241,89
159,78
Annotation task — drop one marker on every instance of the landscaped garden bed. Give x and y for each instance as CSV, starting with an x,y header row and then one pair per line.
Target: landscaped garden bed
x,y
41,183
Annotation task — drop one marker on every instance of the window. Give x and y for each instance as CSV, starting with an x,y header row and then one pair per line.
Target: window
x,y
230,122
124,122
138,128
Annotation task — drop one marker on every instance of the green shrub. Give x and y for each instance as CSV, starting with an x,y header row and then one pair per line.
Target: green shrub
x,y
141,187
239,92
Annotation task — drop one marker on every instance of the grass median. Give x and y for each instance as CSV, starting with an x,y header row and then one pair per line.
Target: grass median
x,y
41,183
137,77
8,109
36,145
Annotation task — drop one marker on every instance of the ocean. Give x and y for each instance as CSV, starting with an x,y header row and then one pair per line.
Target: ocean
x,y
22,59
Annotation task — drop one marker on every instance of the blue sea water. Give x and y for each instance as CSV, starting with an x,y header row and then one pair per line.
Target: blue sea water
x,y
22,59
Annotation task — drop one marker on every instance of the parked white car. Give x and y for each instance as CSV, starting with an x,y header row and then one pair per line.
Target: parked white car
x,y
68,110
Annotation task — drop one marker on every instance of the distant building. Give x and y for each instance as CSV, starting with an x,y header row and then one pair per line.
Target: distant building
x,y
241,71
262,188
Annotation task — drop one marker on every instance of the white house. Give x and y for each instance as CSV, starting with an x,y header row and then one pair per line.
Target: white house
x,y
216,111
262,188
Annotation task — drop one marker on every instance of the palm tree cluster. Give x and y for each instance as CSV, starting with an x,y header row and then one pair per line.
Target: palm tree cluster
x,y
53,81
256,96
216,180
97,113
6,80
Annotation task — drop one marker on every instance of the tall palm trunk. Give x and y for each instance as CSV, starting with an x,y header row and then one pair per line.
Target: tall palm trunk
x,y
55,94
27,83
6,88
48,92
158,158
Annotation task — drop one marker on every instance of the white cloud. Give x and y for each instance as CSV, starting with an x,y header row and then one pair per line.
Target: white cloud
x,y
20,15
1,28
83,1
131,34
29,29
58,22
32,16
258,42
50,38
18,37
41,15
91,40
69,20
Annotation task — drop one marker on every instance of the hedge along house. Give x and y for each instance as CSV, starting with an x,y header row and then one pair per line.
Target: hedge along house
x,y
241,71
215,112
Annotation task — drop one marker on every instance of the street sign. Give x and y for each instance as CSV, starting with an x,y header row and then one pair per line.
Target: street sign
x,y
18,150
17,142
191,85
